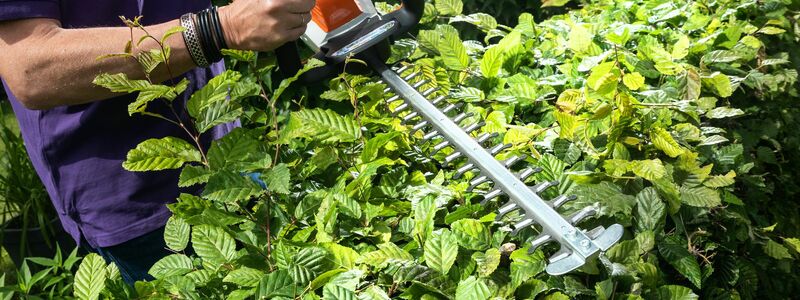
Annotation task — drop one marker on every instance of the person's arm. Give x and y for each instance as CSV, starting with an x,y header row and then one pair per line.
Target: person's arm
x,y
46,66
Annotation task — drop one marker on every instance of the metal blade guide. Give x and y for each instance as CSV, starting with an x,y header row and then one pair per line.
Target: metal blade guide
x,y
577,246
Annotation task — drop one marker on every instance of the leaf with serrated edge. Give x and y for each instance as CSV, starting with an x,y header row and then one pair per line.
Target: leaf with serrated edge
x,y
90,278
161,154
176,233
215,246
441,250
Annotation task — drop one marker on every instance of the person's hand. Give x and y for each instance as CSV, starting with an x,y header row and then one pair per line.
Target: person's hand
x,y
264,25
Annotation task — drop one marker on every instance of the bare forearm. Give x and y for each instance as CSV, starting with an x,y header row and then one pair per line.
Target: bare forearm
x,y
58,66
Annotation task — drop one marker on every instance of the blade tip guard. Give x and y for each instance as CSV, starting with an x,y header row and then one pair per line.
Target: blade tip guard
x,y
603,240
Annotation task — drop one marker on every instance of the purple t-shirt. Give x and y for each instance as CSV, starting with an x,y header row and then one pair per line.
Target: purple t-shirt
x,y
78,150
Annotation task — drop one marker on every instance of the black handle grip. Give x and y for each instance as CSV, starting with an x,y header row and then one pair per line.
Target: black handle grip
x,y
288,59
409,15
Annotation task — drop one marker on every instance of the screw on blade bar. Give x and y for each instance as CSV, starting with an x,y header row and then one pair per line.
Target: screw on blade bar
x,y
577,246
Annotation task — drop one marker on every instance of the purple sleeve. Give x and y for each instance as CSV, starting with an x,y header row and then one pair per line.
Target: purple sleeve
x,y
16,9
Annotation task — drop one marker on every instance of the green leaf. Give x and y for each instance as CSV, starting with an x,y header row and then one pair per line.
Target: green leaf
x,y
176,233
230,187
235,151
675,292
770,30
720,56
171,265
244,276
441,250
554,3
663,140
492,62
604,289
721,83
524,266
453,53
449,7
326,126
307,264
674,251
343,257
487,262
650,211
375,144
579,38
335,292
700,197
724,112
793,243
388,253
472,234
633,81
649,169
721,180
472,288
193,175
776,250
215,246
424,213
278,179
90,279
161,154
276,284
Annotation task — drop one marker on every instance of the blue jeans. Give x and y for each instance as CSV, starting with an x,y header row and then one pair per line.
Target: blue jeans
x,y
135,257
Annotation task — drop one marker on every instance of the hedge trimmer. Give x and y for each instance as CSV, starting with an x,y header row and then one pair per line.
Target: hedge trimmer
x,y
345,28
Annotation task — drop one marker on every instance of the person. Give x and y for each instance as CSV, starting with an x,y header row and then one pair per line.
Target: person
x,y
78,134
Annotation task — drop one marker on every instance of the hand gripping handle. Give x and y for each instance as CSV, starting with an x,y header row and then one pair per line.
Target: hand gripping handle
x,y
290,62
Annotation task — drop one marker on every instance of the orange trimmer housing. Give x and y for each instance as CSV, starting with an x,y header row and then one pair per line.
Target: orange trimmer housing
x,y
332,14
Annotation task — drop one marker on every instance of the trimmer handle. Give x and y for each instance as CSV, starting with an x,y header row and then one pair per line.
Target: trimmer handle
x,y
290,62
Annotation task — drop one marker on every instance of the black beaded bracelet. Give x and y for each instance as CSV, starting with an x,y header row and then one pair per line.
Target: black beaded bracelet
x,y
206,38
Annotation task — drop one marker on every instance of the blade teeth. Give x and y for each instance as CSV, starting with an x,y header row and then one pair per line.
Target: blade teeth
x,y
476,182
561,254
582,215
409,117
464,169
503,211
420,83
491,195
544,186
522,225
403,69
561,200
486,136
452,107
400,108
450,158
528,172
438,100
386,90
541,240
499,148
393,99
419,126
513,160
596,232
411,76
462,116
430,135
439,147
469,129
430,91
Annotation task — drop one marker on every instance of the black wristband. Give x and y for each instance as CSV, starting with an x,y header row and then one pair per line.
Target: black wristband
x,y
207,38
218,28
